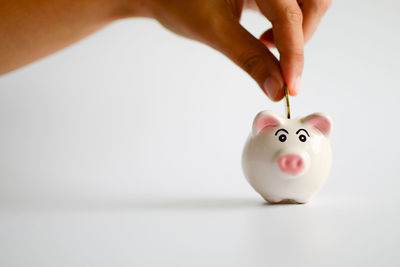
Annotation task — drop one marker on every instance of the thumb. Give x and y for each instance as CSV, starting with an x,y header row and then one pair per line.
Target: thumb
x,y
251,55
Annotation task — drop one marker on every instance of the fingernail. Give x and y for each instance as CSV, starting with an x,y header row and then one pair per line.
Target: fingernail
x,y
271,87
296,87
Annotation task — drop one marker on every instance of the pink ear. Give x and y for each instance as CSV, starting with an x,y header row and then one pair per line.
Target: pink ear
x,y
264,119
320,122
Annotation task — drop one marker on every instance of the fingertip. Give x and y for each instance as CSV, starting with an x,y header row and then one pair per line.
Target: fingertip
x,y
295,88
279,96
273,88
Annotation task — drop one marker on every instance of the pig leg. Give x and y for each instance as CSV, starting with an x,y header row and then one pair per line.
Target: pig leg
x,y
284,201
289,201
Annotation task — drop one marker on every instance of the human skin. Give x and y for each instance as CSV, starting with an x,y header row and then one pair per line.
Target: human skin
x,y
32,29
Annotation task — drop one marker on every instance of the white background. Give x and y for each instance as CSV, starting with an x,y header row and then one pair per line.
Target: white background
x,y
124,150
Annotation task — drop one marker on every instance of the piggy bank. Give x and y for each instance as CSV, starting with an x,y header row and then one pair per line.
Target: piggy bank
x,y
288,160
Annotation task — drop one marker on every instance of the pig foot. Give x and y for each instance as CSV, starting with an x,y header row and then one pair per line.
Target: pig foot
x,y
286,201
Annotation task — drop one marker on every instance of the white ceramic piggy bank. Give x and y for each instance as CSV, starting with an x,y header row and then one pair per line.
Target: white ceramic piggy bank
x,y
288,160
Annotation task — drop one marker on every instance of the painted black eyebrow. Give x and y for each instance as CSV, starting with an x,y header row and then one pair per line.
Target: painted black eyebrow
x,y
302,130
281,130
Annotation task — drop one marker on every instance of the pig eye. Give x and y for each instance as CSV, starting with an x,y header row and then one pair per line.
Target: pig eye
x,y
282,138
302,138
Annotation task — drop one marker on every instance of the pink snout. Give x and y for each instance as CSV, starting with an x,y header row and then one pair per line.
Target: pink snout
x,y
291,163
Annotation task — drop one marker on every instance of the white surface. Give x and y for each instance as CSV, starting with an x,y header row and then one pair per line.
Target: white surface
x,y
124,150
207,231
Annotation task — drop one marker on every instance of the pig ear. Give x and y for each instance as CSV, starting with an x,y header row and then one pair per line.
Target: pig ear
x,y
265,119
319,121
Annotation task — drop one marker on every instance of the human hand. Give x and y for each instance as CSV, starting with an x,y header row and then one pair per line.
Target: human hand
x,y
216,23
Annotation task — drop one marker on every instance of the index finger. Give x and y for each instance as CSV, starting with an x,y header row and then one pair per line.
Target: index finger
x,y
287,19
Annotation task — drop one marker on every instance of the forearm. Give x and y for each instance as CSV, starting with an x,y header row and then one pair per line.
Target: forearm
x,y
32,29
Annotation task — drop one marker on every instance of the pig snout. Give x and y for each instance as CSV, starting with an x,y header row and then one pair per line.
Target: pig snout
x,y
291,164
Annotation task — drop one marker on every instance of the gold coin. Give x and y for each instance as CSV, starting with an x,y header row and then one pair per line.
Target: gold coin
x,y
287,102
